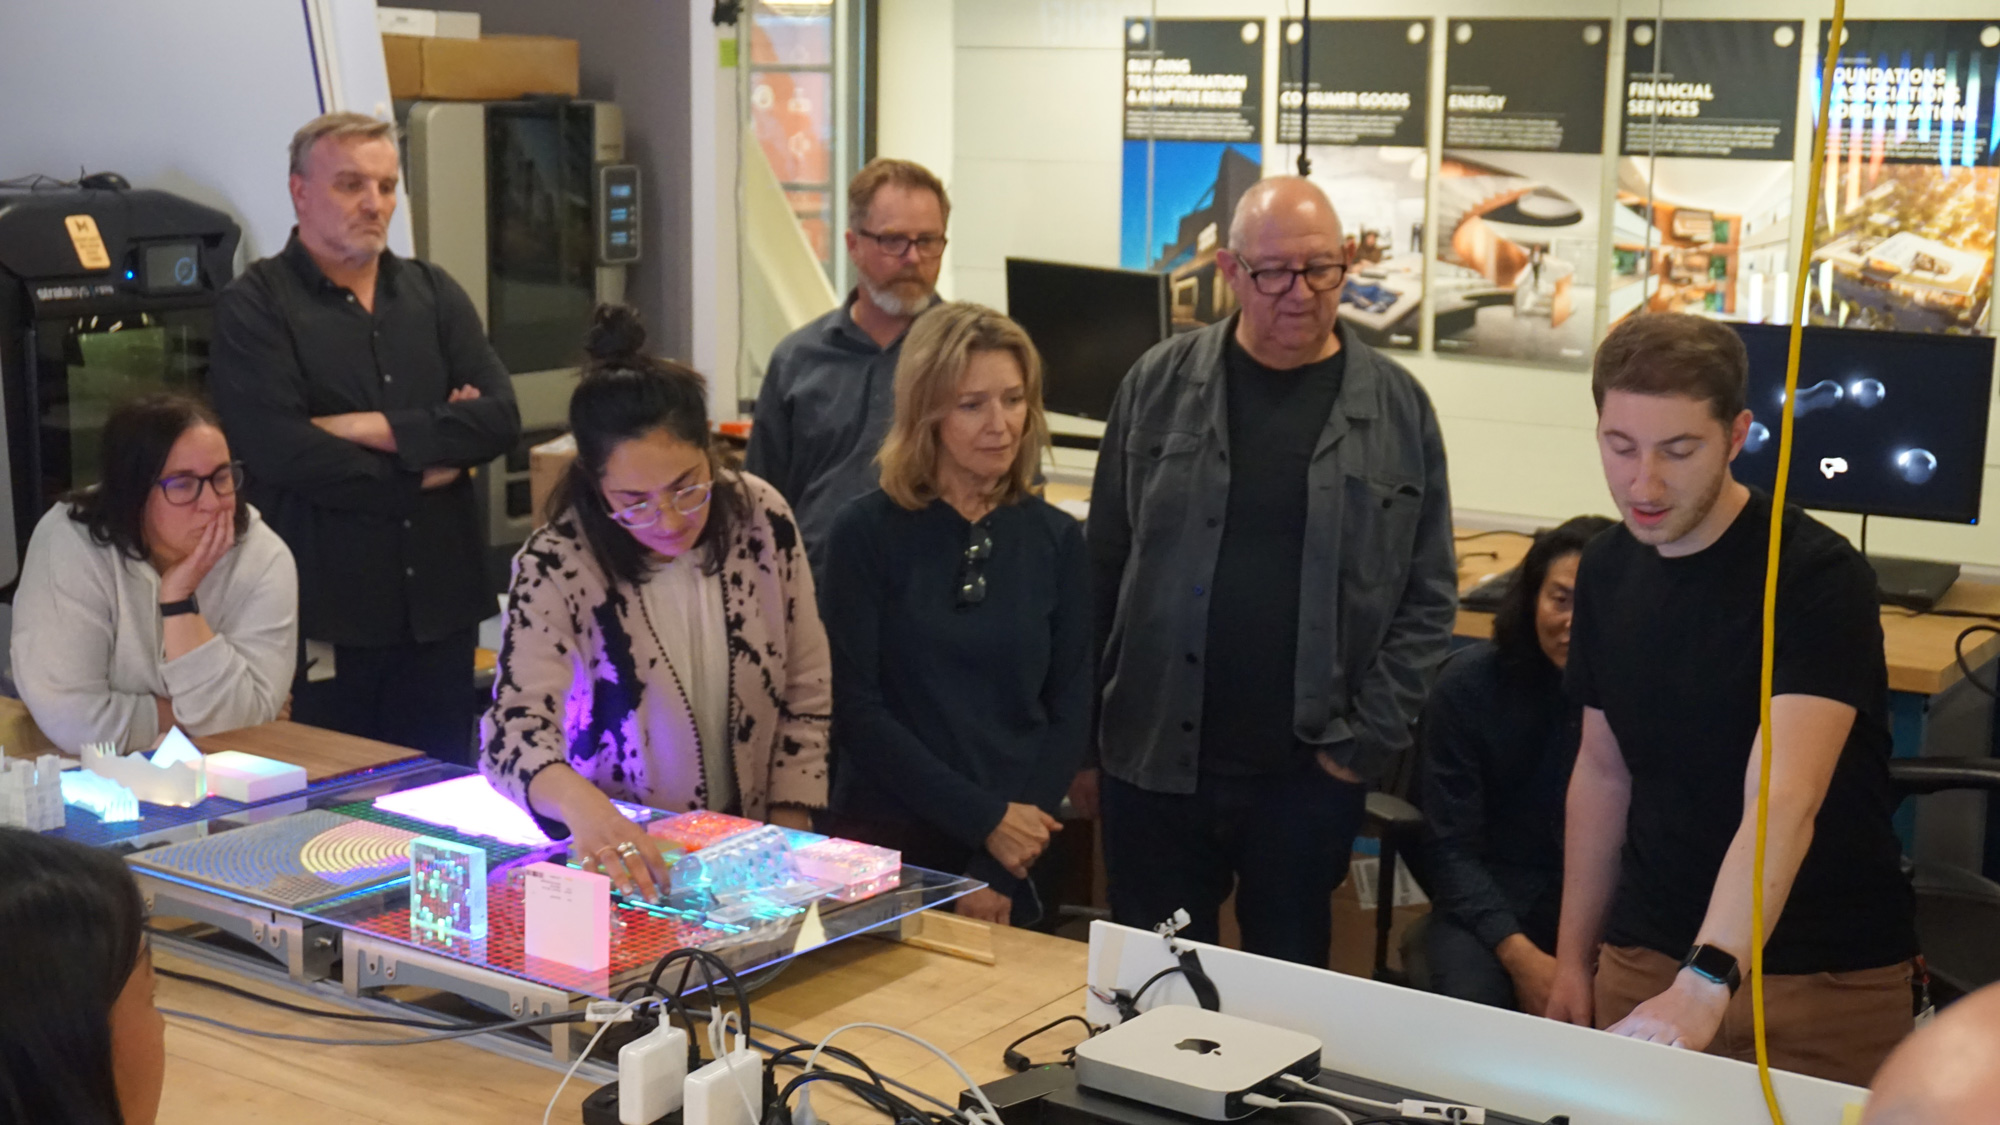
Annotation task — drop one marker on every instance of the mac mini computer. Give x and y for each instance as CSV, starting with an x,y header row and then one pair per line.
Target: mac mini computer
x,y
1193,1061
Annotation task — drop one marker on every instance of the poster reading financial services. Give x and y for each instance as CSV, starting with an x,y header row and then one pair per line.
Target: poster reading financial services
x,y
1194,114
1709,117
1904,241
1366,108
1517,218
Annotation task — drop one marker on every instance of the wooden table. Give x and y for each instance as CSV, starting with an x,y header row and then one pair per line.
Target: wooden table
x,y
325,754
217,1077
1918,646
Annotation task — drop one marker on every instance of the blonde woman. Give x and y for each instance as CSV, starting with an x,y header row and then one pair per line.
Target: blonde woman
x,y
957,605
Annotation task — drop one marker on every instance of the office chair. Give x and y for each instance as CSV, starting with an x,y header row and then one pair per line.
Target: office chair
x,y
1958,911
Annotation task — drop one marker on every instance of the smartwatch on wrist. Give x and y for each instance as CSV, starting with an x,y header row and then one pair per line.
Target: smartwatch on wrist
x,y
175,609
1712,963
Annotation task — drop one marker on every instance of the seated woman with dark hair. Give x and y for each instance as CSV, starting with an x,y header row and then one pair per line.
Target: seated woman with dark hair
x,y
958,606
662,643
80,1040
1499,740
157,597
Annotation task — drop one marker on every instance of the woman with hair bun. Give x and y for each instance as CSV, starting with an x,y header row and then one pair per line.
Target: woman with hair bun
x,y
662,643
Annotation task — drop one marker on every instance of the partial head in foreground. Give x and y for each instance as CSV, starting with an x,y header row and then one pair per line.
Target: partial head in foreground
x,y
80,1040
1947,1071
1670,392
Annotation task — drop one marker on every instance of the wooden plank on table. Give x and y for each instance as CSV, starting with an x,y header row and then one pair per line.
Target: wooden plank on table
x,y
217,1077
324,754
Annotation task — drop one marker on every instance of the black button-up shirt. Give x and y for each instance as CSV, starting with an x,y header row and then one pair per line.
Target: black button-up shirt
x,y
381,560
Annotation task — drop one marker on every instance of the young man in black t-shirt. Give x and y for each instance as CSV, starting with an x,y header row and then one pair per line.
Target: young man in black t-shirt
x,y
1664,656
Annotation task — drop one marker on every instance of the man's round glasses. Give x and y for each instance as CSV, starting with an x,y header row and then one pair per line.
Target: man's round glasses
x,y
185,488
646,513
1278,282
897,245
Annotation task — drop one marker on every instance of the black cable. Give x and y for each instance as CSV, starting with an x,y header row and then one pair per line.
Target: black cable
x,y
1018,1061
1305,87
895,1108
1470,555
352,1017
897,1083
1965,669
1496,531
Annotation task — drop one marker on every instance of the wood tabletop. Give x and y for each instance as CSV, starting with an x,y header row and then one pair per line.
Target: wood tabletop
x,y
324,753
1919,647
217,1077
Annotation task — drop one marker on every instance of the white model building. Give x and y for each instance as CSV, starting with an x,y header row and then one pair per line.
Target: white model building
x,y
176,774
31,793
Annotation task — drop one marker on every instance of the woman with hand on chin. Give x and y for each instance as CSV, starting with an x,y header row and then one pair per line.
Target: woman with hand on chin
x,y
157,597
662,642
958,607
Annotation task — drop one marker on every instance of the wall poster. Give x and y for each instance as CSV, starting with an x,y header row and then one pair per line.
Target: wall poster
x,y
1516,269
1709,120
1908,210
1194,111
1369,105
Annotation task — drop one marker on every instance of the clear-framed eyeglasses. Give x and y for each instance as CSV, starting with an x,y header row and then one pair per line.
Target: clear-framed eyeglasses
x,y
645,513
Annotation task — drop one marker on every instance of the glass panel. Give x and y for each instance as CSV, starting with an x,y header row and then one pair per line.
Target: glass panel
x,y
88,364
811,209
791,34
339,856
543,249
794,115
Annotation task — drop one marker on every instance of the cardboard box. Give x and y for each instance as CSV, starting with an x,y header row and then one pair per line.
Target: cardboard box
x,y
494,68
427,22
546,464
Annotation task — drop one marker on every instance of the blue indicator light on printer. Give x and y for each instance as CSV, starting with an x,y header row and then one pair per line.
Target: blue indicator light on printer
x,y
130,274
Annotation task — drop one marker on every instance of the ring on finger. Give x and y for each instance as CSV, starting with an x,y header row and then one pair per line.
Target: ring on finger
x,y
629,850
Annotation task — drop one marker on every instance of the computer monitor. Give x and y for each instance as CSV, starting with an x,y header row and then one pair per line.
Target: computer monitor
x,y
1089,323
1886,423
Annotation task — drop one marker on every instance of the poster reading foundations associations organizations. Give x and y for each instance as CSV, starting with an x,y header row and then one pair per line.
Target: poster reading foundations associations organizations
x,y
1367,109
1517,217
1194,114
1709,118
1905,236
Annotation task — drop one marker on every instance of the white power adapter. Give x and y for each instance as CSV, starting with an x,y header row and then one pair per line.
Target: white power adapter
x,y
711,1100
652,1073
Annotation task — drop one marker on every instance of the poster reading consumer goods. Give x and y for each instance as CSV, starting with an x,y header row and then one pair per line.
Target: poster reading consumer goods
x,y
1367,111
1904,240
1519,188
1194,114
1708,121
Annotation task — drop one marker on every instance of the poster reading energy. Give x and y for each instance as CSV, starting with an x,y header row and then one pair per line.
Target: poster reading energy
x,y
1708,121
1905,236
1518,191
1194,109
1366,104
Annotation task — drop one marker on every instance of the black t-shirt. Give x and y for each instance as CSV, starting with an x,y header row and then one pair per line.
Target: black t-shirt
x,y
1248,696
1669,650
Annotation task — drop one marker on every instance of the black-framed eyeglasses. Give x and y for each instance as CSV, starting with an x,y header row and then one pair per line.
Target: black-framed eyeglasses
x,y
1318,278
972,569
645,513
182,489
897,245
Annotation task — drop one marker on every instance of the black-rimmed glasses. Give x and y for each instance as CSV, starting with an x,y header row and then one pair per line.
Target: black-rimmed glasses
x,y
972,569
645,513
897,245
1278,282
182,489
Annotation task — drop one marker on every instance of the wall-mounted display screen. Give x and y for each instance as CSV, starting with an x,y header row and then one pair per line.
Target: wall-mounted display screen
x,y
1887,424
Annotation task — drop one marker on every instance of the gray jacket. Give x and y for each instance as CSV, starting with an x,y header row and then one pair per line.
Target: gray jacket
x,y
1378,586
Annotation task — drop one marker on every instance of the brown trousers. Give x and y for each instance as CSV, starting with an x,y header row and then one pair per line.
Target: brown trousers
x,y
1838,1026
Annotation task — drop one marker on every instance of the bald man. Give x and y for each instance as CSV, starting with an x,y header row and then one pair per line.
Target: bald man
x,y
1270,536
1949,1071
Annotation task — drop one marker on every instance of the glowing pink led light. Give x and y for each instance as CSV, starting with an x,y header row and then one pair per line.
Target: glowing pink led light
x,y
472,806
846,863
